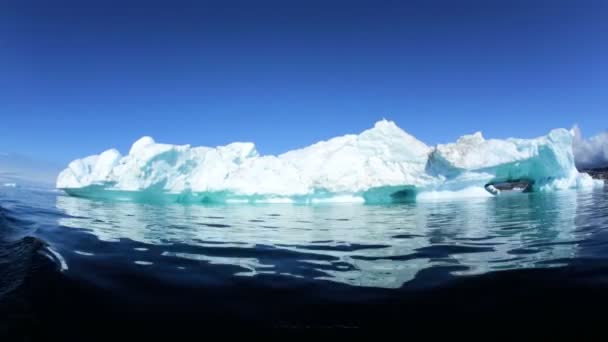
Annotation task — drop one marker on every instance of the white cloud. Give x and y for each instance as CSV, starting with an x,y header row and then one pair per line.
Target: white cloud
x,y
592,152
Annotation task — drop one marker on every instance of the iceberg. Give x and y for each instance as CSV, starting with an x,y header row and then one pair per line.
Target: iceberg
x,y
380,165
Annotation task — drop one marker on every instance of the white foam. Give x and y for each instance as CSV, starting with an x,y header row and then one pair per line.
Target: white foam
x,y
237,201
55,256
470,192
275,200
339,199
143,263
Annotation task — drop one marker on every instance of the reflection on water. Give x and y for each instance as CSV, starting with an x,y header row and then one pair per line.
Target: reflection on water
x,y
379,246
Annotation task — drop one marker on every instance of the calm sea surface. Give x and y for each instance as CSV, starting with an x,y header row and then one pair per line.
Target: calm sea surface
x,y
66,259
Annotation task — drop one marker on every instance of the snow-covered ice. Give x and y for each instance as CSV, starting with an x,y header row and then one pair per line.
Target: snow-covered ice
x,y
382,164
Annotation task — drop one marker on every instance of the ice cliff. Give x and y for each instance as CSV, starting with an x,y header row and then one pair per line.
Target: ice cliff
x,y
382,164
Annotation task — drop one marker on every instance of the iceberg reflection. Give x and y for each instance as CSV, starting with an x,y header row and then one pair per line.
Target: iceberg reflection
x,y
378,246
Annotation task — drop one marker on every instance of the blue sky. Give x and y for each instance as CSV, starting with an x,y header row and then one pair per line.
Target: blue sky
x,y
78,77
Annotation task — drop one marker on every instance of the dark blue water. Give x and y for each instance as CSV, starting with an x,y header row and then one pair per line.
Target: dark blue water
x,y
67,261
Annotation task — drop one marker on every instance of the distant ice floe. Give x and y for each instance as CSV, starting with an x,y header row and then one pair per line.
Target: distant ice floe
x,y
382,164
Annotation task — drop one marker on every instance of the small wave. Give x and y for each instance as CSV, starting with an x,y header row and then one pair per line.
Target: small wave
x,y
55,257
16,262
18,251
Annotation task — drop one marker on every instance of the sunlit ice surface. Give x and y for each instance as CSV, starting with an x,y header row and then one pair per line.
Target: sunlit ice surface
x,y
383,246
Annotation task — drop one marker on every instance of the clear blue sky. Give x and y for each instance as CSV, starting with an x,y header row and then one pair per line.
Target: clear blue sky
x,y
77,77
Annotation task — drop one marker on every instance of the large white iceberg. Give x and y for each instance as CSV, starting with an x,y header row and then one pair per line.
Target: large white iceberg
x,y
382,164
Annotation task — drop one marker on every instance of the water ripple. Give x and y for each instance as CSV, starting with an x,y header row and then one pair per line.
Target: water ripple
x,y
376,246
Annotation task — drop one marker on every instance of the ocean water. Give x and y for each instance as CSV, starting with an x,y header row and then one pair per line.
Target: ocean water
x,y
66,259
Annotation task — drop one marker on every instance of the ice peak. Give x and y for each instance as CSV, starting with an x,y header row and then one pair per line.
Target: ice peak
x,y
140,144
388,128
474,138
575,131
386,125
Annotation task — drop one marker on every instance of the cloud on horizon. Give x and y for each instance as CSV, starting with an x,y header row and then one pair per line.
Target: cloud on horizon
x,y
592,152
